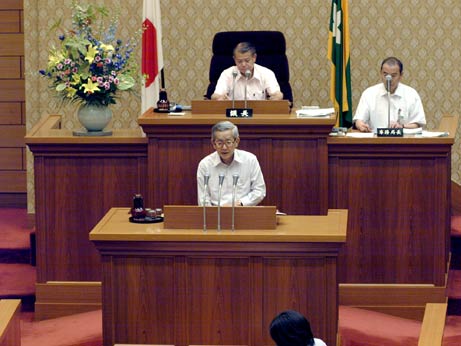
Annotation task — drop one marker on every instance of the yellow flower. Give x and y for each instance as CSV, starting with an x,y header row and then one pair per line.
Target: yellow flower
x,y
90,54
55,58
75,79
89,87
71,92
107,47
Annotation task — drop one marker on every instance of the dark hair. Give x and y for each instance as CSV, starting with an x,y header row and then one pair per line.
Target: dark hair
x,y
244,47
392,61
290,328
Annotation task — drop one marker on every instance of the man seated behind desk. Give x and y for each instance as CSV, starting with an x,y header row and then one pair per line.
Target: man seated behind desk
x,y
406,110
228,160
261,85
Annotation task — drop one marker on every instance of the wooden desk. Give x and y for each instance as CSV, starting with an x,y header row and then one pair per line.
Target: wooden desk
x,y
77,180
292,152
397,191
187,287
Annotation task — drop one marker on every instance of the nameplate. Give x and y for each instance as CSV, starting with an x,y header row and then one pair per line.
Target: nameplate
x,y
388,132
239,112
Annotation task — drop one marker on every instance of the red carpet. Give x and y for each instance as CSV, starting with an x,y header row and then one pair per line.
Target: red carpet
x,y
14,233
83,329
17,276
17,280
454,284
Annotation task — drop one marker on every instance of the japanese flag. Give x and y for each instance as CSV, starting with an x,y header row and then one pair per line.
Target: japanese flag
x,y
152,53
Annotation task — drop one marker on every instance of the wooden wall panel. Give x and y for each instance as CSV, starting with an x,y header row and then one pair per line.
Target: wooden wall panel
x,y
88,186
12,136
10,67
400,224
10,21
12,44
12,97
12,181
11,4
12,90
187,293
11,158
10,113
226,281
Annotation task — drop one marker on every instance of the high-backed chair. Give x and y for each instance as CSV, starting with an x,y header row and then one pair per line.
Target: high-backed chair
x,y
270,50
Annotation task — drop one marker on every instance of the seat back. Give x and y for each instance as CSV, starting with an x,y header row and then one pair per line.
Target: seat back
x,y
270,49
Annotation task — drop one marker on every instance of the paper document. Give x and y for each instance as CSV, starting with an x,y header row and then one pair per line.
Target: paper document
x,y
413,131
314,112
360,134
432,134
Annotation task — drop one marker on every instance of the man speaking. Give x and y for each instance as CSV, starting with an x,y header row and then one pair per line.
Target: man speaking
x,y
220,169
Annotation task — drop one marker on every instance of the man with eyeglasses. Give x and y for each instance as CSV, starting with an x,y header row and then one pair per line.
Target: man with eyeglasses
x,y
228,160
406,108
261,84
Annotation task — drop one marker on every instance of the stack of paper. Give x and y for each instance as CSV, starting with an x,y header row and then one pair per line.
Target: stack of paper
x,y
418,130
314,112
431,134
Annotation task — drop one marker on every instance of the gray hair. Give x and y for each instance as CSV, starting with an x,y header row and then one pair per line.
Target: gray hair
x,y
224,126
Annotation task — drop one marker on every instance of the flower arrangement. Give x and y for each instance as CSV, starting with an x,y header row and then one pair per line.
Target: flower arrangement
x,y
89,66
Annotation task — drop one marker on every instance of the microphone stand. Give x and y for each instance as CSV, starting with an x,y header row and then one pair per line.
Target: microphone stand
x,y
247,75
206,178
234,75
234,184
221,179
388,80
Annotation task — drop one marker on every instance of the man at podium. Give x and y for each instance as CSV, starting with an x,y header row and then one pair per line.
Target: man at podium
x,y
257,81
229,168
389,101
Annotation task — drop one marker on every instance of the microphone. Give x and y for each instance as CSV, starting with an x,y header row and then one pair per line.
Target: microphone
x,y
235,178
388,82
234,75
221,180
206,178
388,87
247,76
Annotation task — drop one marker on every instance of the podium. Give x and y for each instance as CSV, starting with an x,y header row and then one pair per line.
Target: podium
x,y
188,287
190,216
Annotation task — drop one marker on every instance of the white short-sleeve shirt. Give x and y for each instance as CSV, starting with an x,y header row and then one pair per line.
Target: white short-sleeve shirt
x,y
405,104
262,83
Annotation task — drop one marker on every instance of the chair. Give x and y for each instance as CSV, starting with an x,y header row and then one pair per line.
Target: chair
x,y
270,48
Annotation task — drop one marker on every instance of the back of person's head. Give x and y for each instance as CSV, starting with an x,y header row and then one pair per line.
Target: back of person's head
x,y
290,328
245,47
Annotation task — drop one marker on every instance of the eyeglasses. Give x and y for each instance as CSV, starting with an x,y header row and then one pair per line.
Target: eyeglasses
x,y
228,143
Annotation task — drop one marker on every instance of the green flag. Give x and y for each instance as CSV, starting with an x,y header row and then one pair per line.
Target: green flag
x,y
338,54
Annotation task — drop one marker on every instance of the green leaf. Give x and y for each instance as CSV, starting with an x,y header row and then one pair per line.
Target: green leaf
x,y
61,87
125,82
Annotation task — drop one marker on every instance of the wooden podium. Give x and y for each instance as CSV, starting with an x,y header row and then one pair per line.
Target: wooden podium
x,y
188,287
191,216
